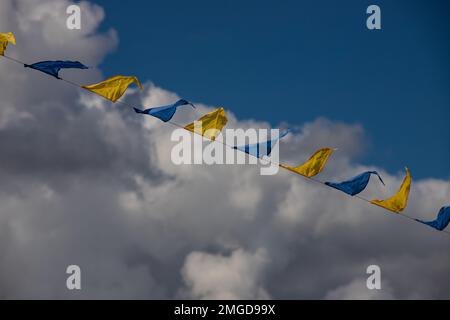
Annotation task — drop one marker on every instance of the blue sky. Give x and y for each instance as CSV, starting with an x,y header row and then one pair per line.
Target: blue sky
x,y
298,60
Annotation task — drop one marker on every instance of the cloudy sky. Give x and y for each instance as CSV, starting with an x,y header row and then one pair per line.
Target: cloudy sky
x,y
90,183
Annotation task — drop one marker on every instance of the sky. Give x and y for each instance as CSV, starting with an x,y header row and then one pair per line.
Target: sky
x,y
295,61
91,183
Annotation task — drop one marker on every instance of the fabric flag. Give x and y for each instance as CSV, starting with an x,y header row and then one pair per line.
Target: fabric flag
x,y
398,201
210,124
356,184
164,113
113,88
441,221
53,67
314,165
262,148
6,38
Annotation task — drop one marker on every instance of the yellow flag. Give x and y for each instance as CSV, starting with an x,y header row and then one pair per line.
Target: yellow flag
x,y
210,124
6,38
314,165
398,201
113,88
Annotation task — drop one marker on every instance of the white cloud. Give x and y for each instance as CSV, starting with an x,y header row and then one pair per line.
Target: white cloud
x,y
90,183
237,276
357,290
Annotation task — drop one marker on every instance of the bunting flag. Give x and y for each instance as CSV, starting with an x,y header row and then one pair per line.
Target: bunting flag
x,y
113,88
442,220
164,113
210,125
53,67
398,201
262,148
356,184
314,165
6,38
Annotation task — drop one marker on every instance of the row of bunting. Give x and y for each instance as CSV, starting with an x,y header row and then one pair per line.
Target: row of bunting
x,y
211,124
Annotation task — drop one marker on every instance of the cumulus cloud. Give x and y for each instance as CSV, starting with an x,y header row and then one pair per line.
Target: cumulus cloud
x,y
357,290
220,277
90,183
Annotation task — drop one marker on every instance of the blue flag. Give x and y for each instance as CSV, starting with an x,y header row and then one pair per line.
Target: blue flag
x,y
441,221
262,148
356,184
53,67
164,113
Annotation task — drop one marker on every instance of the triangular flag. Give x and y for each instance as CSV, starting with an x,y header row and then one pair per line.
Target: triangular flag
x,y
442,220
210,125
398,201
164,113
6,38
356,184
53,67
261,149
113,88
314,165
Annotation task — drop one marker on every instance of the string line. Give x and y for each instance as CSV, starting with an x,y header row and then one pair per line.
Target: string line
x,y
267,160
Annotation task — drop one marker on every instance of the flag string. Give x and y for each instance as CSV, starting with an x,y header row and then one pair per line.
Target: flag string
x,y
266,160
